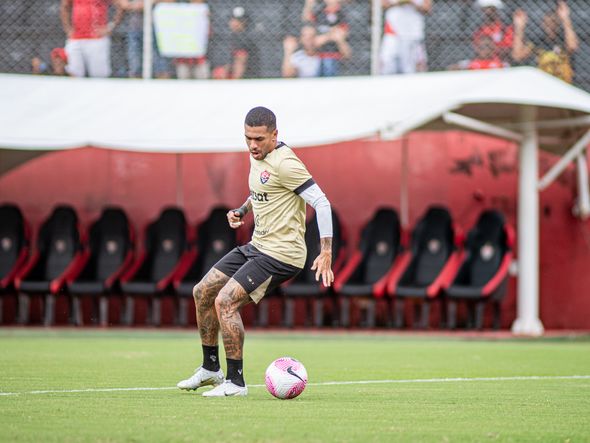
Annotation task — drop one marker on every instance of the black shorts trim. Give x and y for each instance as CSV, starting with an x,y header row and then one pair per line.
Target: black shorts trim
x,y
258,273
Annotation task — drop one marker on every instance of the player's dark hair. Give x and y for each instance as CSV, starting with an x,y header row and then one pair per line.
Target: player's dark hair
x,y
261,116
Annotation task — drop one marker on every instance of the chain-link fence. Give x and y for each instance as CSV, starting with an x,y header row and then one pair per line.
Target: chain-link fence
x,y
274,38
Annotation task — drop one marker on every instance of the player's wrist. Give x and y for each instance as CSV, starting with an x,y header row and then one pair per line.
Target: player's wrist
x,y
241,211
326,245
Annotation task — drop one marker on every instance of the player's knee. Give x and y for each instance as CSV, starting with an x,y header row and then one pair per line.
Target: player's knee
x,y
221,303
199,293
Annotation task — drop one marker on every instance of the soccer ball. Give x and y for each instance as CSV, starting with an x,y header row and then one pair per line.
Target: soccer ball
x,y
286,378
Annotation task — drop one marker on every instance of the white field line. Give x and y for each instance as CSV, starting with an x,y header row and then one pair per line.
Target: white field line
x,y
326,383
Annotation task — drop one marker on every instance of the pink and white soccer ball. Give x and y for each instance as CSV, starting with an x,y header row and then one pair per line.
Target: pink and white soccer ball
x,y
286,378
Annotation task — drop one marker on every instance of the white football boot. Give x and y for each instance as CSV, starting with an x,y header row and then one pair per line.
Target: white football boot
x,y
227,389
202,377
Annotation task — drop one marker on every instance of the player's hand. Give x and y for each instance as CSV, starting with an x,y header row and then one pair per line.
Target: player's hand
x,y
234,218
323,267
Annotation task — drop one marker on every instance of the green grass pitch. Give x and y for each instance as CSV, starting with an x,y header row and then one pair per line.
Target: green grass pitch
x,y
552,407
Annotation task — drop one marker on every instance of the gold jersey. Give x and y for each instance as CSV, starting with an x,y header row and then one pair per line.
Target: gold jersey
x,y
279,212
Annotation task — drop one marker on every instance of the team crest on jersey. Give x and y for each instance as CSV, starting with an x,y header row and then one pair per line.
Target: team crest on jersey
x,y
264,177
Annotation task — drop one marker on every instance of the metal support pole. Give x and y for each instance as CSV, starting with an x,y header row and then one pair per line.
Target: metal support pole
x,y
404,200
527,321
473,124
147,39
583,204
564,161
179,181
376,25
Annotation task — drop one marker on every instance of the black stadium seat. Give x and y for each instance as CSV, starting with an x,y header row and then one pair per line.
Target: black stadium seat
x,y
110,251
58,256
427,266
165,253
215,238
14,248
304,285
365,273
483,275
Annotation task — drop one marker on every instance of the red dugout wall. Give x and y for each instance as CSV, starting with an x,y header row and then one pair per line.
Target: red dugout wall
x,y
465,172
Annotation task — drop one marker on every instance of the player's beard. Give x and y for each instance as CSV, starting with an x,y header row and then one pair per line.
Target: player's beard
x,y
258,154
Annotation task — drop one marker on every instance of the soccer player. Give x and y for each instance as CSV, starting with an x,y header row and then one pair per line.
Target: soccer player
x,y
280,186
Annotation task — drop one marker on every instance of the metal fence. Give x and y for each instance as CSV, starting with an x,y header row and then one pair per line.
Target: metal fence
x,y
458,34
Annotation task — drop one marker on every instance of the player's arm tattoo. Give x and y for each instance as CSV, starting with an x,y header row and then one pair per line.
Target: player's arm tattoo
x,y
205,293
247,206
244,209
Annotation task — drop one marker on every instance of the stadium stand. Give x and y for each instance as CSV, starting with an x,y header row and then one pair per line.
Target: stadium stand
x,y
32,28
483,276
165,255
57,257
14,248
214,239
109,254
427,266
304,286
364,276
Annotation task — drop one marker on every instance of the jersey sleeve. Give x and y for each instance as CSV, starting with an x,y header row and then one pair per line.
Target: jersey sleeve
x,y
294,175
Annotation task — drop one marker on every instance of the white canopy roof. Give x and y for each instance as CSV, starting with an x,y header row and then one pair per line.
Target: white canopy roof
x,y
50,113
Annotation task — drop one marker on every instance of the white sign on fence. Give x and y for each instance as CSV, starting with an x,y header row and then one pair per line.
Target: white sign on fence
x,y
182,30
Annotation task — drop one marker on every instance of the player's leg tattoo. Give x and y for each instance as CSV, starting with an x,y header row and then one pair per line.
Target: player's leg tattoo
x,y
231,298
204,294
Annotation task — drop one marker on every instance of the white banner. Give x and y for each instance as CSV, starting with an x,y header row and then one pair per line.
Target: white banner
x,y
182,30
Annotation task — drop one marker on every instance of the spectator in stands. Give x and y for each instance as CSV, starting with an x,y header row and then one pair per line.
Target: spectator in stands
x,y
553,49
332,30
402,46
134,22
242,56
485,56
493,26
59,60
88,30
197,67
301,58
